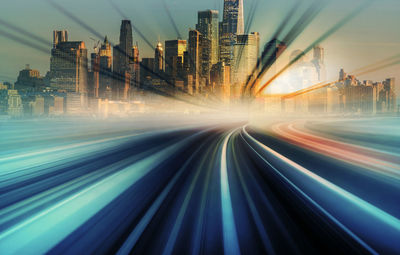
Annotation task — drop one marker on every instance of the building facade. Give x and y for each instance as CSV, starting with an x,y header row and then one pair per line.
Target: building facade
x,y
69,66
232,24
123,63
174,58
208,25
245,56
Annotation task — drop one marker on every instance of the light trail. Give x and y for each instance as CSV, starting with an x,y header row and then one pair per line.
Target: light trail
x,y
369,218
231,245
374,160
213,189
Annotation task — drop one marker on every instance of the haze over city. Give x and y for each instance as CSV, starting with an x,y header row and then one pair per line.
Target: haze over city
x,y
199,127
370,37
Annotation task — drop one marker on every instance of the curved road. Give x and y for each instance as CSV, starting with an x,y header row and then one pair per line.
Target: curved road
x,y
233,189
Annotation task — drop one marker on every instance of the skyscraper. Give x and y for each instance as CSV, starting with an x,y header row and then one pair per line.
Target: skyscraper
x,y
233,18
232,24
105,76
94,75
159,58
135,66
174,58
105,54
68,65
123,62
194,56
123,51
246,52
208,25
199,58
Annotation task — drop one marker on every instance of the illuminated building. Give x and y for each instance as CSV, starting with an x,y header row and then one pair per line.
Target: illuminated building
x,y
174,58
245,56
233,17
391,99
159,59
208,25
232,24
194,58
220,77
199,58
69,66
105,76
366,97
135,66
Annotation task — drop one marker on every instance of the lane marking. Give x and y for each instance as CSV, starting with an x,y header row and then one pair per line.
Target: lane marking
x,y
231,244
256,215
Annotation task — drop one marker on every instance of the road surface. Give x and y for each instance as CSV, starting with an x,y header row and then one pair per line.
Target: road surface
x,y
288,187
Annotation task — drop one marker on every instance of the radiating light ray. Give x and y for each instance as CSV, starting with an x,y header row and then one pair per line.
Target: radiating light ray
x,y
256,215
231,244
182,211
199,226
371,219
323,37
339,150
130,242
58,226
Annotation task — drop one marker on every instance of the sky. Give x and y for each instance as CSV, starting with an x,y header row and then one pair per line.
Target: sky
x,y
370,36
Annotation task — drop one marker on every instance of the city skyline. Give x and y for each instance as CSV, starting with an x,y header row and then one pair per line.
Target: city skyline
x,y
199,127
339,54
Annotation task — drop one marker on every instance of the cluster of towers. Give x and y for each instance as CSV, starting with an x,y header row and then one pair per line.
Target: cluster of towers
x,y
215,54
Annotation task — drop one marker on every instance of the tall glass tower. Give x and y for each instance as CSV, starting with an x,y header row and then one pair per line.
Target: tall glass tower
x,y
232,25
208,25
159,58
233,18
123,63
123,52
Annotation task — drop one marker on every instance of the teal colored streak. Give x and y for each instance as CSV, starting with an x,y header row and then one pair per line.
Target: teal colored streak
x,y
231,244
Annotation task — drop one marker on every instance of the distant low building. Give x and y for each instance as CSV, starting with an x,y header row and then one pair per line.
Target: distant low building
x,y
11,103
37,106
58,106
75,103
29,80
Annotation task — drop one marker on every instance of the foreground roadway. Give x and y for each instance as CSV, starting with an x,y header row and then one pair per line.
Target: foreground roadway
x,y
289,188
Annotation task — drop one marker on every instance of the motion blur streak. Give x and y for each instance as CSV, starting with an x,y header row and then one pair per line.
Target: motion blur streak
x,y
367,213
175,186
230,238
373,159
